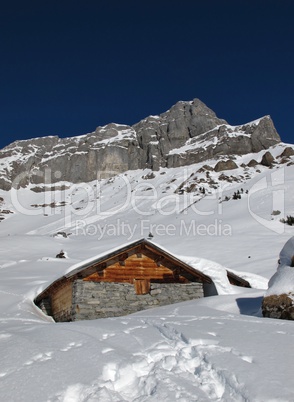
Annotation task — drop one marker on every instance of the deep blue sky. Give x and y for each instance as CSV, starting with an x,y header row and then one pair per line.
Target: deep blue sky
x,y
68,66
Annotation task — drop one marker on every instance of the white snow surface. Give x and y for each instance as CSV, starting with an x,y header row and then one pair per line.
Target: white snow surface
x,y
218,348
282,282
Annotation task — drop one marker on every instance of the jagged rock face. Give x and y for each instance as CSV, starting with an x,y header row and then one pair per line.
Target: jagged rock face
x,y
188,133
226,140
158,135
107,151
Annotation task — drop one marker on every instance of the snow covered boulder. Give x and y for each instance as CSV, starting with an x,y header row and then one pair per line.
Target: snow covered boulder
x,y
278,301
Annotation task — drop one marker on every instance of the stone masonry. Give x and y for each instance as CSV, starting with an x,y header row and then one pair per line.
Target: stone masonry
x,y
93,300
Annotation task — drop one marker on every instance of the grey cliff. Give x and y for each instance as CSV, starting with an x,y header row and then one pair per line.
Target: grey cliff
x,y
188,133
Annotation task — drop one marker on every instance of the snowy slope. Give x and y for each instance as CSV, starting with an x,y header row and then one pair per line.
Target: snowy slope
x,y
218,348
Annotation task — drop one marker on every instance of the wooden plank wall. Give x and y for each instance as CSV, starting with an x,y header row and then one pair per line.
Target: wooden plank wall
x,y
61,302
136,266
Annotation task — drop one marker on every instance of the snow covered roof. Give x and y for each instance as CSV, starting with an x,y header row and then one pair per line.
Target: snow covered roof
x,y
89,266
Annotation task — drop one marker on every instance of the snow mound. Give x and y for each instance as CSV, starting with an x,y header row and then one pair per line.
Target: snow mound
x,y
283,280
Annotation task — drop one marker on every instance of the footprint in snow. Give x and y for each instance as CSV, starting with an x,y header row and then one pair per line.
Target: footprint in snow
x,y
4,336
106,336
70,346
106,350
248,359
129,330
41,357
183,366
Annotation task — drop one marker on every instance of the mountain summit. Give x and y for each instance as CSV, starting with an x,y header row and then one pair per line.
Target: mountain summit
x,y
189,132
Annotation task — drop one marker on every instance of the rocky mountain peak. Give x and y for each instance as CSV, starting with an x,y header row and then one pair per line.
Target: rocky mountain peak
x,y
189,132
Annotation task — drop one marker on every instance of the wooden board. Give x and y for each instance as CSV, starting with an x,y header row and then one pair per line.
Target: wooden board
x,y
61,302
142,286
136,267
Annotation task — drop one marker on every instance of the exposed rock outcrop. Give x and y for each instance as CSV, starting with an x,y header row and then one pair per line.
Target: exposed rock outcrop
x,y
188,133
225,165
252,163
267,159
289,151
279,306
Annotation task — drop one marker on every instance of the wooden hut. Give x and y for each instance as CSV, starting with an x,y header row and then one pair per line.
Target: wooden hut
x,y
135,277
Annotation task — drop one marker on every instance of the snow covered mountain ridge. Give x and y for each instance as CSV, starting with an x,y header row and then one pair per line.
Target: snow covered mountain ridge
x,y
186,134
211,349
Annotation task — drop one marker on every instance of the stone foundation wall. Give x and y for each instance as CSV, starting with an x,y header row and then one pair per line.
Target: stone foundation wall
x,y
93,300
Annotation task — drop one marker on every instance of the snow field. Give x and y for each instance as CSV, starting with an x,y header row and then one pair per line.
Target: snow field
x,y
213,349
